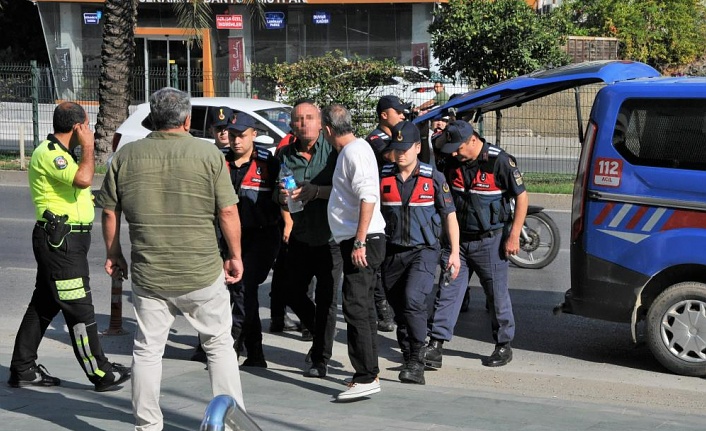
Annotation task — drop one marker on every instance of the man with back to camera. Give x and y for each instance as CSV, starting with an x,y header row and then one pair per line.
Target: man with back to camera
x,y
175,262
221,117
253,172
61,193
311,253
359,229
390,111
416,203
484,179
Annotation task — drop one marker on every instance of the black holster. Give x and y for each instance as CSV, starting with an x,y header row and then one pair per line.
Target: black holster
x,y
56,228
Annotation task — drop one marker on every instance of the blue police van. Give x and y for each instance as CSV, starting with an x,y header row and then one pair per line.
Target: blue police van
x,y
638,222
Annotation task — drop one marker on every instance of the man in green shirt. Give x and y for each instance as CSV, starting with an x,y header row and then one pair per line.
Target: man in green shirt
x,y
310,250
60,188
171,187
439,99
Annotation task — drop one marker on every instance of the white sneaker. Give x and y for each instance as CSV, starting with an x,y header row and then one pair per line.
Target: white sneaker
x,y
359,390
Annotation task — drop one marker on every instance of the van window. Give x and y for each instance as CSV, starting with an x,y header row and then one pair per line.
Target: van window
x,y
662,133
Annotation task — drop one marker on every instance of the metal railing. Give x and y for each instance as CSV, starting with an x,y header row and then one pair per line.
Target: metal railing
x,y
542,133
223,413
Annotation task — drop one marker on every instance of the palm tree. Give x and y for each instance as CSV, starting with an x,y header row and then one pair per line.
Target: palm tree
x,y
117,61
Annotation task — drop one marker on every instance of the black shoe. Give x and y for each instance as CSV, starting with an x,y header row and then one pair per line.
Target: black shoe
x,y
386,322
199,355
317,370
433,353
258,362
502,355
413,373
284,325
466,301
307,335
33,376
117,375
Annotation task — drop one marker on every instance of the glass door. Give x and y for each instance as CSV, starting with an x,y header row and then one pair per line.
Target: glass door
x,y
167,61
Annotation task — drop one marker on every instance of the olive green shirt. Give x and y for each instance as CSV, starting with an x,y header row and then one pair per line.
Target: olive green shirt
x,y
311,224
170,187
51,176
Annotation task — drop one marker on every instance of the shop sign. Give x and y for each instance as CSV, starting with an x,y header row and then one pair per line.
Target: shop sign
x,y
420,54
91,17
236,62
229,22
322,17
274,20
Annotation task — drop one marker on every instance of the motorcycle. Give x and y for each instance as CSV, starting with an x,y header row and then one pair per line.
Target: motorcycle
x,y
539,240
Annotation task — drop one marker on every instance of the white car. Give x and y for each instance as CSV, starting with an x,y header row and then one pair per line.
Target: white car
x,y
272,118
415,87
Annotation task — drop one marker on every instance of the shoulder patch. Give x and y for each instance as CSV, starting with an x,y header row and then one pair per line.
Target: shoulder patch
x,y
262,153
445,187
425,170
512,162
60,163
518,177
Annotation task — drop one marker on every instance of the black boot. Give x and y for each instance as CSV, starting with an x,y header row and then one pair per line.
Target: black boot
x,y
256,357
237,335
199,354
413,372
433,353
385,316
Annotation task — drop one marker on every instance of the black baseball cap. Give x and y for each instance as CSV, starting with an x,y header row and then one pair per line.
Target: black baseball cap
x,y
456,133
404,135
221,116
391,101
242,123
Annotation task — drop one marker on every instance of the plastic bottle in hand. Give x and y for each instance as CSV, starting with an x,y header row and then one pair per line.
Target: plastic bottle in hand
x,y
286,177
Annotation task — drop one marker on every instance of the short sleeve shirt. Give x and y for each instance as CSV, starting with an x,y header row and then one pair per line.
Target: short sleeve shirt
x,y
170,187
51,175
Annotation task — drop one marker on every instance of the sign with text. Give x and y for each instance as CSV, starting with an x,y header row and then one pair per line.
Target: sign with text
x,y
420,54
274,20
229,22
91,18
236,60
321,17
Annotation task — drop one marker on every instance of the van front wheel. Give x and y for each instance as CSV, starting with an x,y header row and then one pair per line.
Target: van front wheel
x,y
676,328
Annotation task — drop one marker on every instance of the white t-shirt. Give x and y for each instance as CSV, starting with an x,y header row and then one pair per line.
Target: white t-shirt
x,y
355,178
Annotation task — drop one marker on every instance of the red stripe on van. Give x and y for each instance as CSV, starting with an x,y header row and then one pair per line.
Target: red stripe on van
x,y
636,218
604,213
685,219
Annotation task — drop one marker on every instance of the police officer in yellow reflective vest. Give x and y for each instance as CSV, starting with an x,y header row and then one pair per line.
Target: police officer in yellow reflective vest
x,y
60,189
416,202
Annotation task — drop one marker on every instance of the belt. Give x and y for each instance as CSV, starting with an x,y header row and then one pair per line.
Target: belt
x,y
80,228
477,236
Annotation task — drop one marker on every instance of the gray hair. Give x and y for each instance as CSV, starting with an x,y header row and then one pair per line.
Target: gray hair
x,y
338,119
169,108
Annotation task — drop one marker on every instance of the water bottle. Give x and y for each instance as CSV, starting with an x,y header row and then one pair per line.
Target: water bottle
x,y
447,276
286,177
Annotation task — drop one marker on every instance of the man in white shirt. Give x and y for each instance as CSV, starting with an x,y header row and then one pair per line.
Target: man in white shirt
x,y
358,227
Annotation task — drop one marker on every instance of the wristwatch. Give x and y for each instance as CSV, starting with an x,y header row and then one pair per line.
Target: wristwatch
x,y
357,244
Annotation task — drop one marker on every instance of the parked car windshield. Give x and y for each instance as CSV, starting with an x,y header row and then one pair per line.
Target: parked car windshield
x,y
280,117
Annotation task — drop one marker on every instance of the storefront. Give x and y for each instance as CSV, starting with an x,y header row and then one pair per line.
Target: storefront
x,y
288,31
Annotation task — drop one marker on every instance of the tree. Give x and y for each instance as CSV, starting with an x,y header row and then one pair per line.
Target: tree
x,y
662,34
493,40
327,79
117,60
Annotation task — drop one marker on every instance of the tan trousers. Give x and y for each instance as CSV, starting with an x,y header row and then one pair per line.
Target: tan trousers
x,y
208,312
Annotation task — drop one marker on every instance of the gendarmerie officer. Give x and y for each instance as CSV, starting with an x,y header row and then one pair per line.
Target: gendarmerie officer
x,y
415,202
484,180
253,172
60,188
390,111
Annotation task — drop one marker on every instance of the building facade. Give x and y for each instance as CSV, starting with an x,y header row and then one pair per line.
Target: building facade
x,y
240,37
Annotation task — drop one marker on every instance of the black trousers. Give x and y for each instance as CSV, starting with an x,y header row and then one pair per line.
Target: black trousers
x,y
305,262
359,307
62,284
279,285
259,248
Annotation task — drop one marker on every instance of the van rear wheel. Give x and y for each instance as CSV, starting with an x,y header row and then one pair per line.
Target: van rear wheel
x,y
676,328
